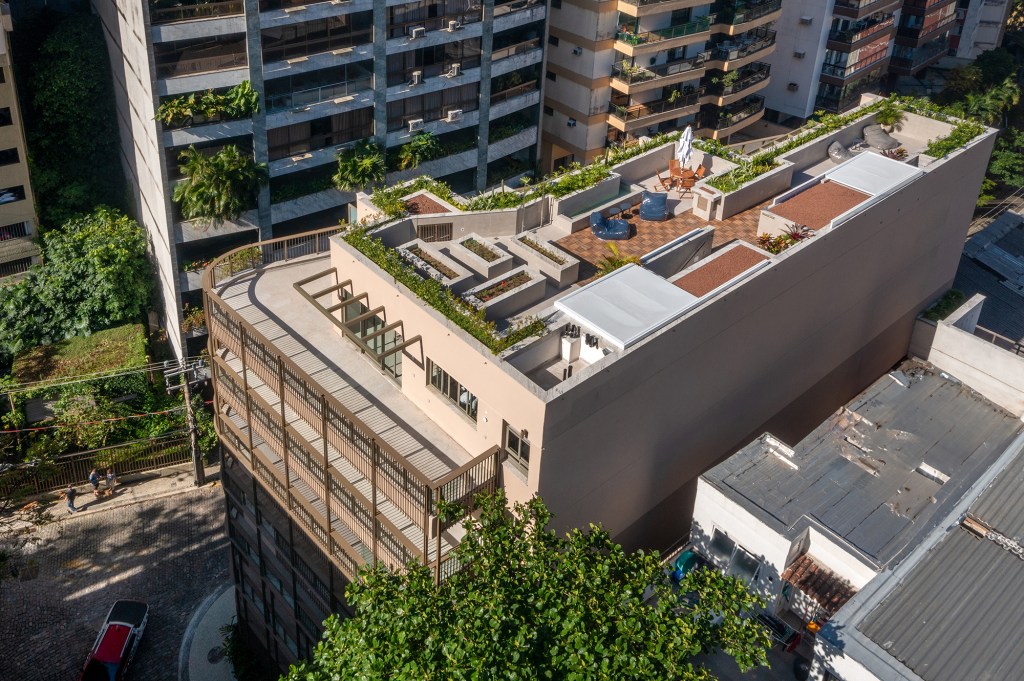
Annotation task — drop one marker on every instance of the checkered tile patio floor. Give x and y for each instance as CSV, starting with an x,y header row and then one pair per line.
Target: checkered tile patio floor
x,y
645,236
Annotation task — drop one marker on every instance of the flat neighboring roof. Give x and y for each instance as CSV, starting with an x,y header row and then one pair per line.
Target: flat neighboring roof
x,y
873,173
958,612
818,205
718,269
860,473
992,264
626,306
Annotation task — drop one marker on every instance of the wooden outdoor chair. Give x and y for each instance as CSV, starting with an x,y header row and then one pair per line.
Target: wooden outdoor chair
x,y
685,186
700,172
663,184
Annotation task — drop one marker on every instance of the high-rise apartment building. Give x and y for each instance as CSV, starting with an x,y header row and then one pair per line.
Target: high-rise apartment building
x,y
980,26
328,74
18,220
348,405
626,69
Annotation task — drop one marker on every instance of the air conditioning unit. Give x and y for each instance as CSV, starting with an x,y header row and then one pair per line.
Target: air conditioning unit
x,y
454,116
799,54
416,32
417,78
415,124
806,21
577,51
793,87
455,71
453,26
571,122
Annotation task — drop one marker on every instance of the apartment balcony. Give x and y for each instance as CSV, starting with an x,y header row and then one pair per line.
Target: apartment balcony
x,y
167,13
627,118
337,93
206,132
630,79
196,231
858,9
631,42
310,203
730,55
721,123
751,79
916,36
642,8
924,7
327,432
849,97
734,17
524,51
873,28
904,64
433,24
224,57
290,12
836,74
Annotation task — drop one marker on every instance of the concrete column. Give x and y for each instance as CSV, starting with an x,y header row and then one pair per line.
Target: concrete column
x,y
254,50
380,72
486,45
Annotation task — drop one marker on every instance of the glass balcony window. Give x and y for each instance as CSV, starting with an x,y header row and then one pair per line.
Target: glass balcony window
x,y
171,11
201,55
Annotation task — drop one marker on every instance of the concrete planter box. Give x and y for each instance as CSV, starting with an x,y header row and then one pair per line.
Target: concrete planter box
x,y
190,231
463,278
191,281
485,269
561,274
512,301
311,203
577,202
756,191
510,145
437,168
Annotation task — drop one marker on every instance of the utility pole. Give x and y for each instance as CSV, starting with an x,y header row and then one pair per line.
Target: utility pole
x,y
187,371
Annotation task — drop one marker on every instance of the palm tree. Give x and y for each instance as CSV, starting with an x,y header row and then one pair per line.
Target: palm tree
x,y
361,166
890,115
421,148
219,187
612,262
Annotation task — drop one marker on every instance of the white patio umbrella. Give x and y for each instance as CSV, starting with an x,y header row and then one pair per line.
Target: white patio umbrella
x,y
685,147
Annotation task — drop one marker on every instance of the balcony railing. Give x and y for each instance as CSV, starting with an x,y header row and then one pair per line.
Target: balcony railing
x,y
926,30
432,24
863,4
513,50
849,97
631,74
502,8
762,39
925,4
749,76
841,71
641,111
15,230
742,12
701,25
266,438
863,29
920,55
730,116
645,3
513,92
196,65
191,12
310,96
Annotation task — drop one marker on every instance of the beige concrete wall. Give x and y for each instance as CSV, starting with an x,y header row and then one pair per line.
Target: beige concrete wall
x,y
125,30
627,436
13,137
501,397
994,372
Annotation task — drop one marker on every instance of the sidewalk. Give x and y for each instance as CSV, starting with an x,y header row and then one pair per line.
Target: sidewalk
x,y
201,657
129,490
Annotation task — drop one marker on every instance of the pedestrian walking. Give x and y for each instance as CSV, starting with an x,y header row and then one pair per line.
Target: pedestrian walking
x,y
69,495
111,481
94,480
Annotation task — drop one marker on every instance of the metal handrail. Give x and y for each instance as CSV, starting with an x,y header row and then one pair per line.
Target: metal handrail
x,y
512,50
701,25
766,40
742,13
640,111
756,73
316,95
639,74
191,12
840,71
856,34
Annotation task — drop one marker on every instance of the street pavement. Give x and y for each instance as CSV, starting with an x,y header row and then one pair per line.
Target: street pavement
x,y
159,540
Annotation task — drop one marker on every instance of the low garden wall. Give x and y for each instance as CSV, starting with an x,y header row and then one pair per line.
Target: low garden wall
x,y
514,300
487,269
561,274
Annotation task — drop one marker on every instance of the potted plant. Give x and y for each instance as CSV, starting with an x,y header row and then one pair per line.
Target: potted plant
x,y
219,187
890,116
422,147
360,166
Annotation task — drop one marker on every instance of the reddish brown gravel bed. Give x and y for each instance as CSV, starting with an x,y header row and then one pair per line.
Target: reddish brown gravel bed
x,y
718,270
424,205
817,206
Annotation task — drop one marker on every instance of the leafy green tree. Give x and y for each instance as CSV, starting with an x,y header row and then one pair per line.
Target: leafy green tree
x,y
94,275
962,81
1007,164
996,65
219,187
533,605
421,148
361,166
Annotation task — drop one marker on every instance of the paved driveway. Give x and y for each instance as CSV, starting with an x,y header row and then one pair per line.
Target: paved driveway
x,y
169,552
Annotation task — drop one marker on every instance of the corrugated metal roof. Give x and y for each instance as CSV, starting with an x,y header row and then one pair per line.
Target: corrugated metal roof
x,y
959,614
858,473
1003,311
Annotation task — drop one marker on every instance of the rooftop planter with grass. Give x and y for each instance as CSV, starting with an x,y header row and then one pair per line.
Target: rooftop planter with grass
x,y
480,257
560,268
484,251
437,266
440,297
500,298
945,306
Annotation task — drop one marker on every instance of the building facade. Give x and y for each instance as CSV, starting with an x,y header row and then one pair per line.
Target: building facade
x,y
18,220
980,26
328,74
626,69
348,405
834,51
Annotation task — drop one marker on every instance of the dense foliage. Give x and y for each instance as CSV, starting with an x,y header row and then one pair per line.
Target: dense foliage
x,y
535,605
69,115
421,148
241,101
94,275
360,166
438,296
1007,164
962,133
219,187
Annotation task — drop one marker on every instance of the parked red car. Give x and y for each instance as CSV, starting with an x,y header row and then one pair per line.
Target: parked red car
x,y
117,642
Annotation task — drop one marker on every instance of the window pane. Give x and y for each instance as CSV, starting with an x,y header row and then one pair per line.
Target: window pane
x,y
721,547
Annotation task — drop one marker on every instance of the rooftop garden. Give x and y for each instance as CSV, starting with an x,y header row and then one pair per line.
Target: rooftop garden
x,y
440,297
240,101
122,347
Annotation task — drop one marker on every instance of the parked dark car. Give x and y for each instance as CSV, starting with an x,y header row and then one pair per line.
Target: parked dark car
x,y
117,642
